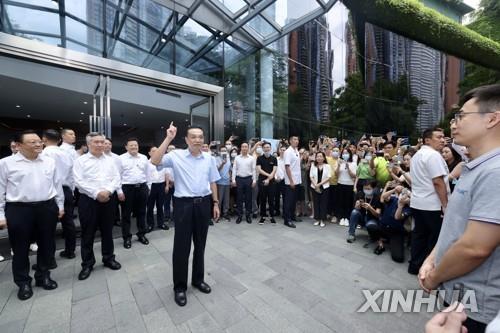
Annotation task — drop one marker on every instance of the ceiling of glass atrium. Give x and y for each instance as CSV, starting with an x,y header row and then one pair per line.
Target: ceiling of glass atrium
x,y
166,35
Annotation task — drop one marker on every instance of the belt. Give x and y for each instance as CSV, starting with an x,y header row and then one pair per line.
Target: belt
x,y
30,204
243,177
135,185
194,199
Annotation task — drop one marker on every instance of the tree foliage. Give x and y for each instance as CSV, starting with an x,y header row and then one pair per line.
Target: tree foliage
x,y
384,107
486,22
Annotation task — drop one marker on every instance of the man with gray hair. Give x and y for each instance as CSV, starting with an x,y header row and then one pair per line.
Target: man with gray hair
x,y
97,178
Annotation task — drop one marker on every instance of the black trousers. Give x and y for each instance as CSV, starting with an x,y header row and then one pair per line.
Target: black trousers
x,y
266,196
25,222
95,215
192,216
168,199
244,195
289,203
395,236
333,203
424,235
278,193
345,199
320,204
136,199
67,222
156,196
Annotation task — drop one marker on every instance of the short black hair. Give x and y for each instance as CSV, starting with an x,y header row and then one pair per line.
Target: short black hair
x,y
19,137
131,139
52,135
244,143
293,136
427,134
194,127
371,183
388,143
487,98
109,139
265,143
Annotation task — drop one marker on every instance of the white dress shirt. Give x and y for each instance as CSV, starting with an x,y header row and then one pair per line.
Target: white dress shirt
x,y
95,174
280,172
193,175
24,180
292,158
70,150
244,167
135,169
64,164
157,176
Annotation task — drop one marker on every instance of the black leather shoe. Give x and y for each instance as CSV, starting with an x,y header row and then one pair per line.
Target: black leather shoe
x,y
254,216
143,240
149,229
203,287
180,298
113,264
290,225
164,226
67,255
127,243
46,283
85,273
25,292
296,219
249,219
273,221
379,250
238,220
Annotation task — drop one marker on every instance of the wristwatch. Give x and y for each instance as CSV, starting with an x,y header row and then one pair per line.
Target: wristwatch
x,y
216,202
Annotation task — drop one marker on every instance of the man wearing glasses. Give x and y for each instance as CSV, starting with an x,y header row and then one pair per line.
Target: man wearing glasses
x,y
467,250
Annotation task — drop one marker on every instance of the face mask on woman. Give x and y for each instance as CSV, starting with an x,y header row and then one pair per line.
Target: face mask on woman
x,y
368,193
335,154
345,157
368,158
229,147
233,155
259,151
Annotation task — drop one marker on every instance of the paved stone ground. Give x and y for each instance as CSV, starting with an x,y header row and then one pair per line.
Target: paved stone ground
x,y
264,279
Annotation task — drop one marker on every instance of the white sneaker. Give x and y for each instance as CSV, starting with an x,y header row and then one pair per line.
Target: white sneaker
x,y
316,223
11,253
322,224
342,222
346,222
1,258
34,247
333,220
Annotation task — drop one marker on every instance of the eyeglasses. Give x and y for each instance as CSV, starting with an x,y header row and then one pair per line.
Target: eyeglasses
x,y
460,115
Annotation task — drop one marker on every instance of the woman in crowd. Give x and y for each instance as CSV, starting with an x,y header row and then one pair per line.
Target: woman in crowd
x,y
333,205
279,177
454,162
319,176
364,173
346,173
401,172
305,165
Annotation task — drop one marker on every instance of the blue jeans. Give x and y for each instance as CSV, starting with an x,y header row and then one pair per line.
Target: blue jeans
x,y
358,218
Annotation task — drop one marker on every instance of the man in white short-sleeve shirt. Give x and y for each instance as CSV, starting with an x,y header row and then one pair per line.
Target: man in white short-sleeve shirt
x,y
429,175
292,178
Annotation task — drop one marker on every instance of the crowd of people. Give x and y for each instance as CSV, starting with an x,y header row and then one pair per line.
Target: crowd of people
x,y
396,191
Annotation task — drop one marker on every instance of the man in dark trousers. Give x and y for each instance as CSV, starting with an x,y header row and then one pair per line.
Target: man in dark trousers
x,y
195,198
266,168
97,178
31,200
136,178
64,165
293,177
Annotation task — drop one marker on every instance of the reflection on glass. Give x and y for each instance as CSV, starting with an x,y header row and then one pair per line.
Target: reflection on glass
x,y
43,39
233,5
193,35
137,34
261,27
128,54
33,20
287,11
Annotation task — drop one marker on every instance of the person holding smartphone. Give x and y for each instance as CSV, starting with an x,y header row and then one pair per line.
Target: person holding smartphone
x,y
224,183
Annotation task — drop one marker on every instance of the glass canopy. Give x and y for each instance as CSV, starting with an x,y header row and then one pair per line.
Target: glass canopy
x,y
194,38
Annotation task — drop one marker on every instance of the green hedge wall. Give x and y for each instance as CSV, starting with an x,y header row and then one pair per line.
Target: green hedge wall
x,y
412,19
